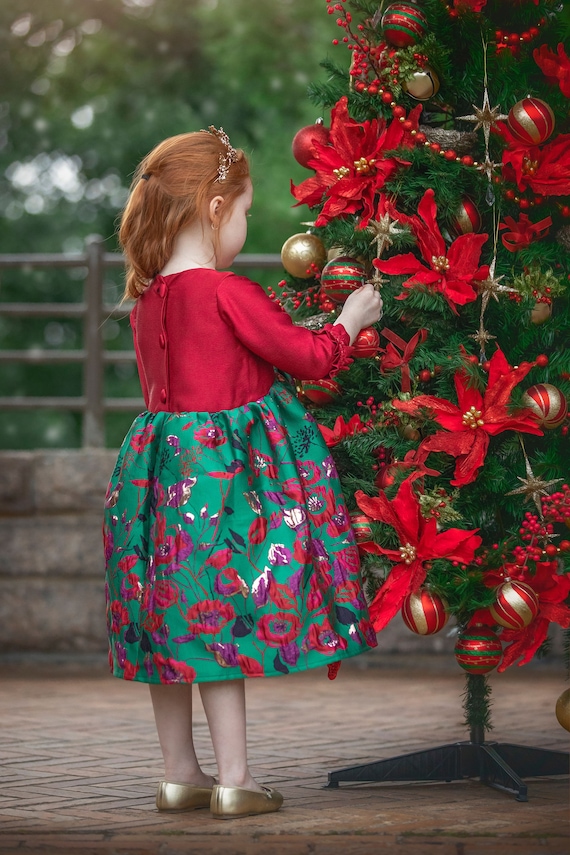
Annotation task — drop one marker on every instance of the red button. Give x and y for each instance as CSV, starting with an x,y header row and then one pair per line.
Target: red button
x,y
162,340
163,396
161,289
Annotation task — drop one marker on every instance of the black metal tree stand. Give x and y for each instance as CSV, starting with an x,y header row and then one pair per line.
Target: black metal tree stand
x,y
498,764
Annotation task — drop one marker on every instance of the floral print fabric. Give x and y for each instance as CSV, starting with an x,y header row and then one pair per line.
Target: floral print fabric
x,y
228,548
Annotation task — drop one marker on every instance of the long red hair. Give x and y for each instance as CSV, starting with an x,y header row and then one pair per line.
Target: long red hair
x,y
180,180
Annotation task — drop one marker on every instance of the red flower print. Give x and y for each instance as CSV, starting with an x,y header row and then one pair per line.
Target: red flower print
x,y
278,629
119,615
127,563
142,438
161,595
257,530
210,435
324,639
250,667
130,671
228,583
451,272
351,168
321,504
170,671
209,616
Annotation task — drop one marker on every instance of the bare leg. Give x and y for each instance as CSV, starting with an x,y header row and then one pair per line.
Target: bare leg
x,y
224,703
173,715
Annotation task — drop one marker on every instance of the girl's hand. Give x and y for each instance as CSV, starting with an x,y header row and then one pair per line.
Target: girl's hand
x,y
362,308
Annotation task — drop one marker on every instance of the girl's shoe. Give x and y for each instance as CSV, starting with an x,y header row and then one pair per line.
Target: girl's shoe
x,y
175,797
235,802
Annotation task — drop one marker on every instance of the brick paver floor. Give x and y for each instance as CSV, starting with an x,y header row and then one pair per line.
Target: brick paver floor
x,y
80,763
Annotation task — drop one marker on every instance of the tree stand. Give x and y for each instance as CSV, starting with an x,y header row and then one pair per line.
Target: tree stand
x,y
499,764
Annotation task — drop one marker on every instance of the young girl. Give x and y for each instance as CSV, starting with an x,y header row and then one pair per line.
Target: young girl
x,y
228,547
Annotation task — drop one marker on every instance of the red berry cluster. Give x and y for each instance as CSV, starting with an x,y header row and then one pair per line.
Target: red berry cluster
x,y
537,534
523,202
513,41
556,507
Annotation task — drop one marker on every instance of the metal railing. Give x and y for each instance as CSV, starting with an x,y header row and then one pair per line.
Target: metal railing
x,y
93,312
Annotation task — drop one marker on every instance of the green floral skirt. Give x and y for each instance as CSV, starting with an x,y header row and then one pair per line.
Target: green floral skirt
x,y
228,547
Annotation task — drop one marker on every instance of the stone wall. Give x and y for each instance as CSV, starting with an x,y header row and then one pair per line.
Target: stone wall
x,y
51,559
51,564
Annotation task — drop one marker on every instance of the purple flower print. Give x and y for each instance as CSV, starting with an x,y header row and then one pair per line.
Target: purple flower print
x,y
179,493
121,654
295,581
113,495
341,572
260,588
225,655
290,653
279,554
318,549
160,636
175,443
329,467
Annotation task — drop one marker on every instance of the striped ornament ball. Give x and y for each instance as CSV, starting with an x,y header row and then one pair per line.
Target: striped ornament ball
x,y
531,121
321,392
516,605
341,276
478,650
403,24
424,612
548,403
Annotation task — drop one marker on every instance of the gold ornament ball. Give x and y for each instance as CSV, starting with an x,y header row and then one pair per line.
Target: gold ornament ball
x,y
540,313
301,251
563,709
422,85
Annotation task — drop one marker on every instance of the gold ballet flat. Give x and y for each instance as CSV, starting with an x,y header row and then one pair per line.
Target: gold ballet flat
x,y
180,797
236,802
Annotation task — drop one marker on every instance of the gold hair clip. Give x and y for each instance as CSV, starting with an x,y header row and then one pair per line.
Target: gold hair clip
x,y
230,156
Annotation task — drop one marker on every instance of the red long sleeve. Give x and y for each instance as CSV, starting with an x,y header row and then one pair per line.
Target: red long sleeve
x,y
207,340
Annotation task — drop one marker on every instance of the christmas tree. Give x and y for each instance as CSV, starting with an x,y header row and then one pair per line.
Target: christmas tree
x,y
443,176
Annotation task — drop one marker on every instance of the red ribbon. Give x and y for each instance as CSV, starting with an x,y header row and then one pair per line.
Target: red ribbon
x,y
523,232
391,359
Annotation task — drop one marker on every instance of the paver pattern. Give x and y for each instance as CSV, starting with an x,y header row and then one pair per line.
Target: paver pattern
x,y
79,764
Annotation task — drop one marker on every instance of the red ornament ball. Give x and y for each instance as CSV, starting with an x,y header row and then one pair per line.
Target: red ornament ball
x,y
478,650
403,24
302,145
341,276
549,404
366,343
321,392
516,605
466,219
424,612
531,121
361,527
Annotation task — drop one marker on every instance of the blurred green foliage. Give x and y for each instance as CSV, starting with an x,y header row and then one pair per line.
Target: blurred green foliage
x,y
88,87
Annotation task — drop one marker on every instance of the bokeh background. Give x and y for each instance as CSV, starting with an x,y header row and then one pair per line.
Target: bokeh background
x,y
87,87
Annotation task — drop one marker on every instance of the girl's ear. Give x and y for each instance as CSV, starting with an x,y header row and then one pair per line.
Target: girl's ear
x,y
215,209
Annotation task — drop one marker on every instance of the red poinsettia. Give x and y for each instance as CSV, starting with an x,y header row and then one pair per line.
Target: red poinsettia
x,y
523,232
352,167
450,272
552,589
476,417
545,169
342,429
556,69
420,541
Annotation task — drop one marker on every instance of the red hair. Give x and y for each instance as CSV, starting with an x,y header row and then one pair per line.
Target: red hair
x,y
179,181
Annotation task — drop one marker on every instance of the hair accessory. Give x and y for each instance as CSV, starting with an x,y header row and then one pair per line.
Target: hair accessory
x,y
230,156
146,176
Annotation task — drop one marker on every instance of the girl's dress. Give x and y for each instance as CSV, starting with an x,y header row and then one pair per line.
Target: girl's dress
x,y
229,551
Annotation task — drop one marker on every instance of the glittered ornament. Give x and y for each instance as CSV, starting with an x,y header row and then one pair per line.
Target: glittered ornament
x,y
462,142
424,612
478,650
403,24
516,605
549,404
563,709
341,276
321,392
361,526
302,145
422,85
531,121
563,237
301,253
540,313
366,343
466,219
